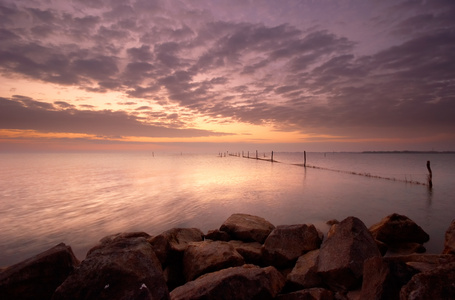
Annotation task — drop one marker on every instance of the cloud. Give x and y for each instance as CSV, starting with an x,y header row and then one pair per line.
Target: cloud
x,y
28,114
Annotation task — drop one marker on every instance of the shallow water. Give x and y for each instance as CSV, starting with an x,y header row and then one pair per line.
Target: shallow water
x,y
77,199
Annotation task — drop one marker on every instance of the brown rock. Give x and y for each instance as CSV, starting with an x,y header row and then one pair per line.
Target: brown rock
x,y
449,243
308,294
304,274
119,268
38,276
424,262
287,242
237,283
435,284
398,229
209,256
170,245
218,235
405,248
247,228
383,279
251,252
342,255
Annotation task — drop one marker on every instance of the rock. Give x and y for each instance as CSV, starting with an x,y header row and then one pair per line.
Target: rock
x,y
342,255
118,268
383,279
438,283
383,248
287,242
397,228
304,274
218,235
308,294
405,248
244,282
170,245
247,228
424,262
449,243
38,276
251,252
209,256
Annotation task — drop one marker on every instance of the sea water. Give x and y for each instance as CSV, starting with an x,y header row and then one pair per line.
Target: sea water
x,y
78,198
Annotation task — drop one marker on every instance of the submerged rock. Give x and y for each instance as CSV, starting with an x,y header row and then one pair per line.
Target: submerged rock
x,y
118,268
342,255
38,276
247,228
449,243
237,283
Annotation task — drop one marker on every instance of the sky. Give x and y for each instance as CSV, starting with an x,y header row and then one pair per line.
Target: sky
x,y
201,75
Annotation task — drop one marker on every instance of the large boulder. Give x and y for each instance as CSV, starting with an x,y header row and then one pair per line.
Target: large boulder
x,y
251,252
308,294
449,243
38,276
287,242
397,228
342,255
209,256
304,274
118,268
434,284
383,278
237,283
171,244
247,228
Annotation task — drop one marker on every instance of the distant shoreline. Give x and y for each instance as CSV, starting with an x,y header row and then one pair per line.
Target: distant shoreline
x,y
408,152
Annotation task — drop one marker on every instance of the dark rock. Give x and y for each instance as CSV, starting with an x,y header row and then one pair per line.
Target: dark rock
x,y
449,243
237,283
405,248
383,248
308,294
383,279
438,283
424,262
118,268
209,256
398,229
170,245
247,228
304,274
342,255
251,252
218,235
287,242
38,276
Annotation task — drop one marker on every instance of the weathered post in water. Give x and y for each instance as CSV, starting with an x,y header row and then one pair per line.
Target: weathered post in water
x,y
256,154
304,158
430,175
271,159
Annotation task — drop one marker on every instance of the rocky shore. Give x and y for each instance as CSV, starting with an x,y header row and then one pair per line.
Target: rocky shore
x,y
246,258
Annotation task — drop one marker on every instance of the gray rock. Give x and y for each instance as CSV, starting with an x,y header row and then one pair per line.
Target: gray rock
x,y
38,276
438,283
449,243
118,268
287,242
304,274
237,283
209,256
342,255
397,228
247,228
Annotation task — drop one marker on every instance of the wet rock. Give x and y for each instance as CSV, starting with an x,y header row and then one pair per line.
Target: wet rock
x,y
383,278
435,284
449,243
342,255
38,276
304,274
287,242
118,268
170,245
251,252
247,228
244,282
308,294
209,256
218,235
397,228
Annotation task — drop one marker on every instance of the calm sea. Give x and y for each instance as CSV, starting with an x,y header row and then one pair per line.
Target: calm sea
x,y
77,199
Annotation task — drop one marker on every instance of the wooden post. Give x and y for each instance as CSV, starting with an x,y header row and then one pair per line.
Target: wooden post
x,y
272,157
256,154
304,158
248,154
430,176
